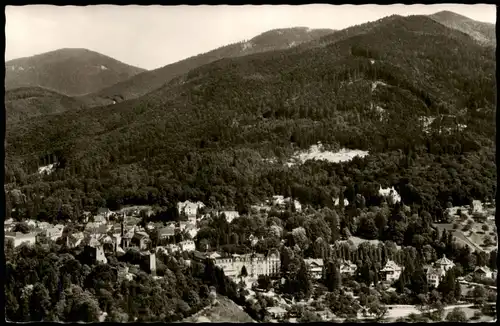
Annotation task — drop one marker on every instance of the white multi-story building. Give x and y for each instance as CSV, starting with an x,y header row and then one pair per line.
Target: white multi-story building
x,y
187,245
255,264
434,276
190,209
391,271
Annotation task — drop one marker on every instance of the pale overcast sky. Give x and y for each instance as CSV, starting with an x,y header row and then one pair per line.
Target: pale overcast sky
x,y
154,36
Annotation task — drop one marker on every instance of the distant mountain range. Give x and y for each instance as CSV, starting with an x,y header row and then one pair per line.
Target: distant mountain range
x,y
148,81
482,32
67,71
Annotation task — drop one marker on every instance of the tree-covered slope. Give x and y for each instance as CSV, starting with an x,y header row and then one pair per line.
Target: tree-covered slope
x,y
151,80
26,102
206,133
482,32
67,71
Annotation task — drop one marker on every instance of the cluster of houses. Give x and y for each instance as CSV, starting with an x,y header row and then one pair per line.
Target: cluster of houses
x,y
316,269
436,272
37,230
107,232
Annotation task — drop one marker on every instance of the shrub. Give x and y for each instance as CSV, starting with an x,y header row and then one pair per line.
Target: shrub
x,y
456,315
485,227
477,315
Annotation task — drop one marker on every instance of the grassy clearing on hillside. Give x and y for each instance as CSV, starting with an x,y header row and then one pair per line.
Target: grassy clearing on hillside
x,y
316,152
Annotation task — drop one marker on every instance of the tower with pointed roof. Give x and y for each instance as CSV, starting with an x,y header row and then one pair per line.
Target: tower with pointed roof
x,y
444,263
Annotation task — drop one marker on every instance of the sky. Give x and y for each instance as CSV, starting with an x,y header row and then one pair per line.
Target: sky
x,y
154,36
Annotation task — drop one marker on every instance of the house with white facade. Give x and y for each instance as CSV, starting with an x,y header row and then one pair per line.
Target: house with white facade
x,y
391,271
390,192
191,230
436,272
8,225
485,272
278,200
171,248
189,209
315,267
347,267
55,232
276,312
19,238
187,245
434,276
230,215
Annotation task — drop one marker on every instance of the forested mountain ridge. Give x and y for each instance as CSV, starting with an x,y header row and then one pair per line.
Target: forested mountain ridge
x,y
483,32
151,80
26,102
67,71
205,134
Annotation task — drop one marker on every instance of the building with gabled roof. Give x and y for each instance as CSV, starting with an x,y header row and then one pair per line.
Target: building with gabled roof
x,y
391,271
141,239
74,239
166,232
444,263
347,267
434,276
315,267
189,208
276,312
54,233
485,272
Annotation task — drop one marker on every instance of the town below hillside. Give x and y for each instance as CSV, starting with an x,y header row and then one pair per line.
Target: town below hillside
x,y
272,279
